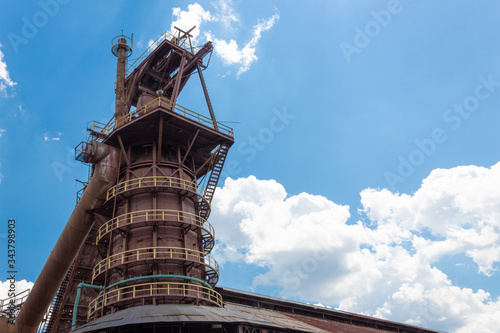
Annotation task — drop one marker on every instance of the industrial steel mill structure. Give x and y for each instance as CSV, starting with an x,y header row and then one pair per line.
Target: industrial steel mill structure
x,y
135,253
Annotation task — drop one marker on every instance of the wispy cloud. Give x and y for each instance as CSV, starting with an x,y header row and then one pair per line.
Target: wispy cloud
x,y
197,16
2,131
22,111
226,13
139,44
47,137
5,80
231,53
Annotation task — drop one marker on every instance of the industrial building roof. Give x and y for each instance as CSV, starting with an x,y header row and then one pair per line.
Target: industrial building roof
x,y
258,310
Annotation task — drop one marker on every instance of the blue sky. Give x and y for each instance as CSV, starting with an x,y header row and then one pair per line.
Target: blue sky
x,y
363,174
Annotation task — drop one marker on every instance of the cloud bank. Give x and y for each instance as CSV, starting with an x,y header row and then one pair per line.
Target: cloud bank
x,y
386,262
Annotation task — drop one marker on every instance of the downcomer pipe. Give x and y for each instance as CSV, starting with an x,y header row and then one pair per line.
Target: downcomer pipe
x,y
107,163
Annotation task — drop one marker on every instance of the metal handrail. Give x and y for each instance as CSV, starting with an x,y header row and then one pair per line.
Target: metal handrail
x,y
154,181
19,298
9,307
154,45
143,290
148,107
80,150
153,253
106,129
180,110
190,114
98,127
153,215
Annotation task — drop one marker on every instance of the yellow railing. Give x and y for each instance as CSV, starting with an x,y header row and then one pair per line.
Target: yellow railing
x,y
106,129
166,35
154,289
148,107
154,181
153,253
18,301
151,215
180,110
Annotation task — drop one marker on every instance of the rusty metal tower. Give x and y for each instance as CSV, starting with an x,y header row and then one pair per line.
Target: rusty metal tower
x,y
134,255
141,235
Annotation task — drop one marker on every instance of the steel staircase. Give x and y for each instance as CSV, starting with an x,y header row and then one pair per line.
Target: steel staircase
x,y
215,172
54,308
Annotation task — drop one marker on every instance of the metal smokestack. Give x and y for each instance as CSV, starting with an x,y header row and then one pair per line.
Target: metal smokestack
x,y
122,50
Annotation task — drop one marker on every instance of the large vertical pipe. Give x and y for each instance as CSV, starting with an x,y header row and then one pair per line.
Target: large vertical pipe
x,y
72,237
121,54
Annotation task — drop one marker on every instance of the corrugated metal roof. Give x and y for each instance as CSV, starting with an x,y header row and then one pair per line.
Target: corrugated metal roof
x,y
279,319
174,313
324,325
331,320
255,310
231,313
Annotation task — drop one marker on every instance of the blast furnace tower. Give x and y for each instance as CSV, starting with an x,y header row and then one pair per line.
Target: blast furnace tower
x,y
148,241
135,253
154,240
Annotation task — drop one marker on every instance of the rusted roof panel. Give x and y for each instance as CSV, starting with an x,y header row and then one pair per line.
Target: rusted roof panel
x,y
173,313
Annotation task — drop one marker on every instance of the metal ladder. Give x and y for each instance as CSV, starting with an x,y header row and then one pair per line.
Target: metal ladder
x,y
215,172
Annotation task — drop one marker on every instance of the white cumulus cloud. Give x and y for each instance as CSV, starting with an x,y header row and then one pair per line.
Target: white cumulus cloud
x,y
231,53
224,14
194,16
461,206
20,286
386,264
5,80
